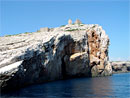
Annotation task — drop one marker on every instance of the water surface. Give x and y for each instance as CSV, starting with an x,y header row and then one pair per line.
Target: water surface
x,y
116,86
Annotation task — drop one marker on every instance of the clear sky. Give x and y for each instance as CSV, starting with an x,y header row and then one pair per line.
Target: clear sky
x,y
19,16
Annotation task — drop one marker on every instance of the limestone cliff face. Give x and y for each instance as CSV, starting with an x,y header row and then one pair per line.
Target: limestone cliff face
x,y
69,51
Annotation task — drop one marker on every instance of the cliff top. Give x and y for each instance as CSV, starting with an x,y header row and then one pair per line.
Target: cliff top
x,y
15,46
70,27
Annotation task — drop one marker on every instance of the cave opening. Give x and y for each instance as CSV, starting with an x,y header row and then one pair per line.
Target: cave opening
x,y
93,34
63,68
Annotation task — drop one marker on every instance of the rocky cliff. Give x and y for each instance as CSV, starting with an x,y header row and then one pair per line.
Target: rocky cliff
x,y
73,50
120,66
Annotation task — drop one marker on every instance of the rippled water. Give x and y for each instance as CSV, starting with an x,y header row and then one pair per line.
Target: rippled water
x,y
116,86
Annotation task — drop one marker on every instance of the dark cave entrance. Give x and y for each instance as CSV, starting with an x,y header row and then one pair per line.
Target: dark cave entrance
x,y
63,68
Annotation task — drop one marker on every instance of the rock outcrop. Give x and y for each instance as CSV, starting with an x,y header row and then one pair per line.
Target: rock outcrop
x,y
65,52
120,66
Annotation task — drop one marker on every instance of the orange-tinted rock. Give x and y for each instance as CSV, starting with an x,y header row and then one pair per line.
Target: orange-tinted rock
x,y
98,51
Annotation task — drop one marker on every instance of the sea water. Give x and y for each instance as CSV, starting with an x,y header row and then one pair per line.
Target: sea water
x,y
115,86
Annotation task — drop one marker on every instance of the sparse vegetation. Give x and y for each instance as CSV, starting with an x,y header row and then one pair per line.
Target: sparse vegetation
x,y
43,48
62,25
81,24
94,26
72,30
27,32
38,31
18,34
8,35
11,35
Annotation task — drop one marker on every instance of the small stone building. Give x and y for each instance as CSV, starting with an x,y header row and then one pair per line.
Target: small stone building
x,y
78,21
46,29
69,22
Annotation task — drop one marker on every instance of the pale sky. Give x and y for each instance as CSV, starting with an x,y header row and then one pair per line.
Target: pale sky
x,y
19,16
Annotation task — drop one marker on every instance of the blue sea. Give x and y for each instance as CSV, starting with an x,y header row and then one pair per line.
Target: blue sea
x,y
115,86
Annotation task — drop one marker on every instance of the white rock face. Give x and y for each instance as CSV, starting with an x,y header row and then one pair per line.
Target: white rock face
x,y
63,52
120,66
10,67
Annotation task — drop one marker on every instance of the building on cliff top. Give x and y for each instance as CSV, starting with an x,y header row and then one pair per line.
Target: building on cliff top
x,y
78,21
69,22
45,29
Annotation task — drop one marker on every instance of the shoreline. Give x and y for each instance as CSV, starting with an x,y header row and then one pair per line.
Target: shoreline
x,y
120,72
120,67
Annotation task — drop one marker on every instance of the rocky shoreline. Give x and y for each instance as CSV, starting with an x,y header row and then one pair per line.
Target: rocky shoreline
x,y
72,50
120,66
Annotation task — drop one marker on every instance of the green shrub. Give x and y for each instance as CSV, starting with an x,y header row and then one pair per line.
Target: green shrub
x,y
26,32
72,30
62,25
81,24
8,35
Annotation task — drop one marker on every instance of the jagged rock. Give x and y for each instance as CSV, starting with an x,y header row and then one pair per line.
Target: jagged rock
x,y
120,66
98,50
69,22
69,51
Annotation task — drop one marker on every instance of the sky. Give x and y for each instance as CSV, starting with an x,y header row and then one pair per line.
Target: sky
x,y
19,16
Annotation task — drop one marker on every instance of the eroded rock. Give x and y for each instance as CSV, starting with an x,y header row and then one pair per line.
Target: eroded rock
x,y
98,51
64,52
